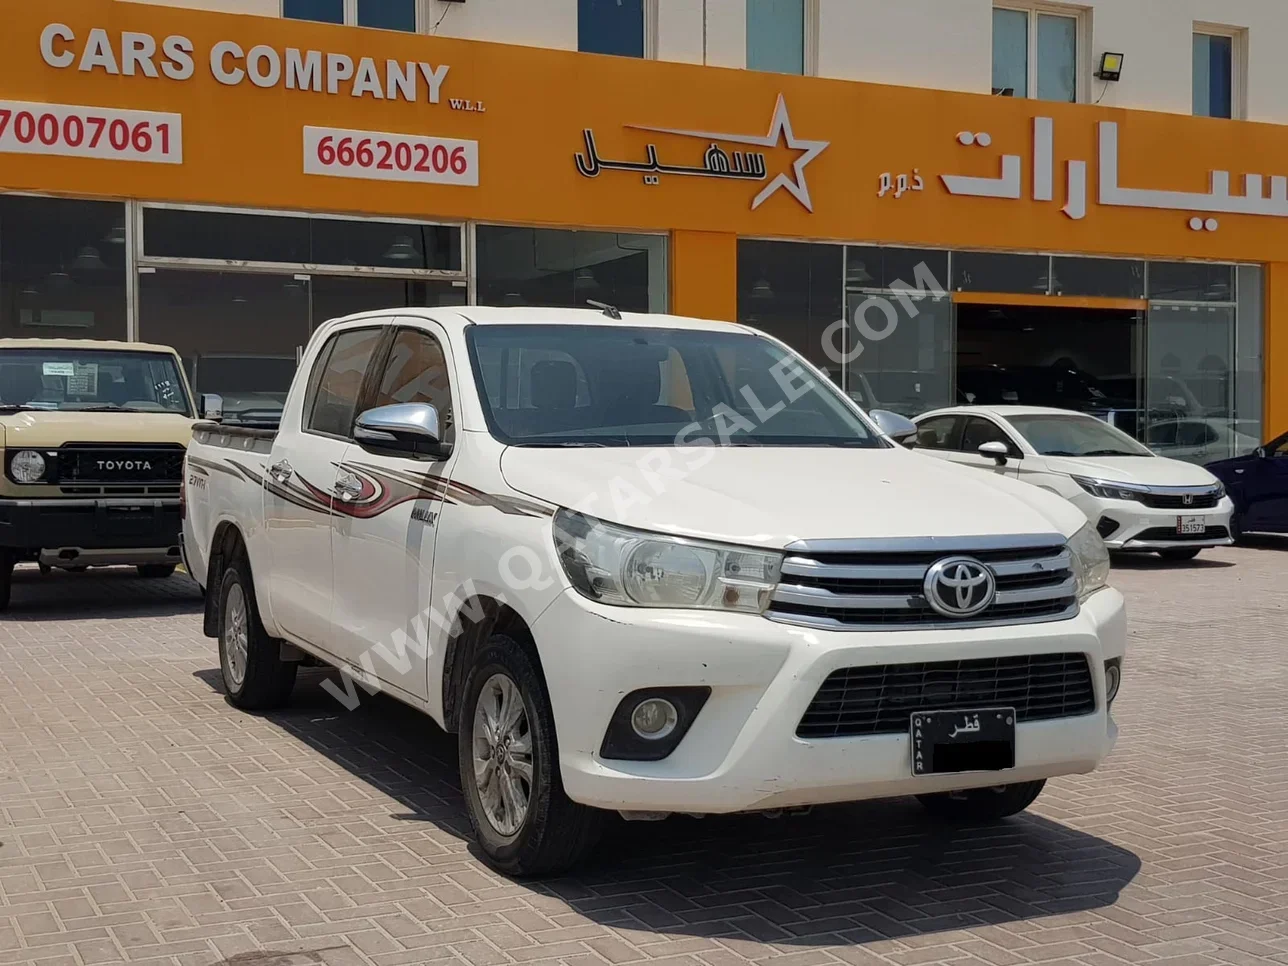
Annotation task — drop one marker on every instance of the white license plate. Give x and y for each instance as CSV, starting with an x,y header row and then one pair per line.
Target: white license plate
x,y
1191,525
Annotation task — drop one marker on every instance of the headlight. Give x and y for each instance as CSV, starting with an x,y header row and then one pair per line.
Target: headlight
x,y
27,466
1109,491
1090,562
634,568
1219,493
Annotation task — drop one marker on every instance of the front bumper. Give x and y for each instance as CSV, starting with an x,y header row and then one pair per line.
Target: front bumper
x,y
1139,527
115,530
742,752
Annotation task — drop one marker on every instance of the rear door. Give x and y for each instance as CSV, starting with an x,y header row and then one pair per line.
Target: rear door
x,y
299,486
384,540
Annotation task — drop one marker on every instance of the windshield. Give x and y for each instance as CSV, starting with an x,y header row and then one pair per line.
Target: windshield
x,y
589,385
1075,435
91,380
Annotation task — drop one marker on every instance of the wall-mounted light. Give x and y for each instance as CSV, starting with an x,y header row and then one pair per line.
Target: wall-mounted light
x,y
1111,66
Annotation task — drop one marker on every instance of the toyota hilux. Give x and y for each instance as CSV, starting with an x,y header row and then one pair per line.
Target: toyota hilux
x,y
649,565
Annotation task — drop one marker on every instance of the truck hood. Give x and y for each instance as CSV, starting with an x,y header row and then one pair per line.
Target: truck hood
x,y
770,497
1145,470
49,429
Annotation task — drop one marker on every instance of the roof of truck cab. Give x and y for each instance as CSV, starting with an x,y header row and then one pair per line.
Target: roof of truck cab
x,y
107,344
534,315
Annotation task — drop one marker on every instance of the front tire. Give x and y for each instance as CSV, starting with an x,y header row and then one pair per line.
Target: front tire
x,y
255,676
155,571
1178,556
982,804
523,821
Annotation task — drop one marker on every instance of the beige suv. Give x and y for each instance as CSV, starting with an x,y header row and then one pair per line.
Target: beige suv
x,y
92,436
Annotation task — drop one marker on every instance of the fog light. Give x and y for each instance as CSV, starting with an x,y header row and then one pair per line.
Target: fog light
x,y
654,718
1113,678
27,466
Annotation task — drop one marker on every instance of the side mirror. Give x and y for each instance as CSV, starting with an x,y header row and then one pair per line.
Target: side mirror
x,y
898,428
1259,452
998,451
212,406
409,429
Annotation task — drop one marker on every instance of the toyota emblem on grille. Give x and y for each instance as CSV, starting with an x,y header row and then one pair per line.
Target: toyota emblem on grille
x,y
959,586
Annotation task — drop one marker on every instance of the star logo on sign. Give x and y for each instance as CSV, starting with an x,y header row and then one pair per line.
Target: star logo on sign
x,y
780,130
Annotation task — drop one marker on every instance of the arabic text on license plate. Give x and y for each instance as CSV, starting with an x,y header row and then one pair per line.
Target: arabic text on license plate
x,y
1190,525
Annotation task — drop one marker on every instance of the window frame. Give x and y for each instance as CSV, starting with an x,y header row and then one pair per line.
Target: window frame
x,y
1238,37
351,16
809,39
1082,39
958,421
365,388
649,10
369,396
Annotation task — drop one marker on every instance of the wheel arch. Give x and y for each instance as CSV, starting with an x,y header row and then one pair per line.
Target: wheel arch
x,y
477,619
225,546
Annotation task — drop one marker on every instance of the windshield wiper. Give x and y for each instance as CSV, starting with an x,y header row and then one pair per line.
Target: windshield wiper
x,y
20,408
1110,452
1059,452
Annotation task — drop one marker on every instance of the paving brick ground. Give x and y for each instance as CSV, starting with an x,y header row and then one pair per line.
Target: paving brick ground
x,y
144,820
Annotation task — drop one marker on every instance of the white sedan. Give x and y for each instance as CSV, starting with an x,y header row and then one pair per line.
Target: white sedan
x,y
1136,499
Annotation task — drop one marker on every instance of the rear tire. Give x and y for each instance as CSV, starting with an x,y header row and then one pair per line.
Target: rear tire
x,y
982,804
7,562
255,676
1177,556
155,571
506,751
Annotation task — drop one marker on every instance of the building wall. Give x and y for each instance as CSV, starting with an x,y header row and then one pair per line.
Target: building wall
x,y
944,44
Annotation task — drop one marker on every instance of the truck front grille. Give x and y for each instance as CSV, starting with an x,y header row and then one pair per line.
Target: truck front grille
x,y
109,467
878,584
879,699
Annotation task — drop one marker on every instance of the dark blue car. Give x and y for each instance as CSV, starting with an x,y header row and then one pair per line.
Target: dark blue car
x,y
1258,484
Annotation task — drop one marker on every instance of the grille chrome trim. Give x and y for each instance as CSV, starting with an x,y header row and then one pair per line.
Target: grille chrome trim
x,y
878,584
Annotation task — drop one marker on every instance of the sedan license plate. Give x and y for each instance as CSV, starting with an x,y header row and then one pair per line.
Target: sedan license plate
x,y
944,742
1186,525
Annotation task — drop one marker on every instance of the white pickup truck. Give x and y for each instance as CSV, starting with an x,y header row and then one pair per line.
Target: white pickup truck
x,y
652,565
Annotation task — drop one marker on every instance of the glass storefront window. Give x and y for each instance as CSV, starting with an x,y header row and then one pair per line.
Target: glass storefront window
x,y
1098,277
238,334
1189,384
909,369
326,11
883,268
792,291
62,268
565,269
994,272
235,236
1191,281
336,296
1249,380
388,14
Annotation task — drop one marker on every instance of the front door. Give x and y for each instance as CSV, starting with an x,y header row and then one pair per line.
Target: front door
x,y
385,534
299,488
1265,487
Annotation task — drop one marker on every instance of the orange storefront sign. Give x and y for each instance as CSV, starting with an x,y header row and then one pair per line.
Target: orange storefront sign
x,y
191,106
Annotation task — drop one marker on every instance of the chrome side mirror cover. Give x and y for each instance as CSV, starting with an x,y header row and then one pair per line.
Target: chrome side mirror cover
x,y
410,429
898,428
211,406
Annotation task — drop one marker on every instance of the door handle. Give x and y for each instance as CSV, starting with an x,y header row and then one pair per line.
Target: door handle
x,y
280,471
348,487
